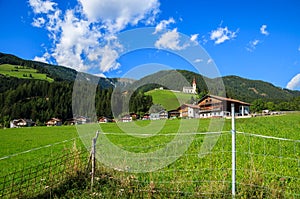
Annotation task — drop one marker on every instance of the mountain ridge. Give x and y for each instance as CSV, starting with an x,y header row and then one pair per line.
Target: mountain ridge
x,y
235,86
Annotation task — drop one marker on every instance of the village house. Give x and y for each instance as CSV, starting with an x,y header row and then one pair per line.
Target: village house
x,y
81,120
216,106
126,118
154,116
213,106
17,123
163,114
146,117
159,116
174,113
54,122
103,120
189,111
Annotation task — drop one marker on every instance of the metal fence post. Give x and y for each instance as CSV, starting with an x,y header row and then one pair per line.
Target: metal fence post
x,y
93,154
233,150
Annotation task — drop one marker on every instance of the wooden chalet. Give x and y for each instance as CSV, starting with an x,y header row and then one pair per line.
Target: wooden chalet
x,y
146,117
54,122
174,113
188,111
216,106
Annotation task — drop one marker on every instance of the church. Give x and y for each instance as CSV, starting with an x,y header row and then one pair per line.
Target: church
x,y
192,90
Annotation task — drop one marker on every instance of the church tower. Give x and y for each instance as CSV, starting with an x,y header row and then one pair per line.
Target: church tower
x,y
194,86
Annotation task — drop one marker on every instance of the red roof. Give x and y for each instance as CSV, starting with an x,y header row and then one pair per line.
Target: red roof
x,y
188,105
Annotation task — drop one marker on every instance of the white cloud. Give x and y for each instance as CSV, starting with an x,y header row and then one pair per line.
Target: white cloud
x,y
210,61
40,59
100,75
203,40
198,60
294,83
194,37
108,61
252,45
299,48
116,14
170,40
220,35
38,22
83,37
40,6
163,25
263,30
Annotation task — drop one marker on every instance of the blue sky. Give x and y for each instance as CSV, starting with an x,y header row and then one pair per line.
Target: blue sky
x,y
252,39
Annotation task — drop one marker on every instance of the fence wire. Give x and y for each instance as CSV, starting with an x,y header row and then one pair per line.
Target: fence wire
x,y
266,167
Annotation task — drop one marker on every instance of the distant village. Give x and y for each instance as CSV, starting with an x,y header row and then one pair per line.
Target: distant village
x,y
209,106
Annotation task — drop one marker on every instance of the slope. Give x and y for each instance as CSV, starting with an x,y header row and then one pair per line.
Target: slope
x,y
168,99
23,72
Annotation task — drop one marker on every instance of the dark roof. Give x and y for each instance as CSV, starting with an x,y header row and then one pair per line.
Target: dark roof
x,y
224,99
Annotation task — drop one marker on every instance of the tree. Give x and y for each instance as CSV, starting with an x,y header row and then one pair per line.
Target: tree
x,y
257,105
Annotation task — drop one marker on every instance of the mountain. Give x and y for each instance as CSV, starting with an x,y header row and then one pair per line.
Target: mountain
x,y
55,72
236,87
39,91
250,90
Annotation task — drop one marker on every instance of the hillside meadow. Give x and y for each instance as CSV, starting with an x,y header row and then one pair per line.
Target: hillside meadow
x,y
22,72
266,167
168,99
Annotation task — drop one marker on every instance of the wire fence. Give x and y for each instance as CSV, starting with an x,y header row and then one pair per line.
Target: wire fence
x,y
266,167
46,175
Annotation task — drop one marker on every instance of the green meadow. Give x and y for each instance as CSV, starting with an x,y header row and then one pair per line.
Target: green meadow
x,y
168,99
266,167
22,72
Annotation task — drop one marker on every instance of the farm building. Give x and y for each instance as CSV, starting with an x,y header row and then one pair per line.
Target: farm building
x,y
81,120
105,120
146,117
174,113
189,111
216,106
54,122
159,116
213,106
126,118
17,123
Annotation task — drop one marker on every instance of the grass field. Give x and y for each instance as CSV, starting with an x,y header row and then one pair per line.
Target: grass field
x,y
168,99
22,72
14,142
266,168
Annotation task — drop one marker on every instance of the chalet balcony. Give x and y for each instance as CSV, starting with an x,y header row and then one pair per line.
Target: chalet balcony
x,y
211,107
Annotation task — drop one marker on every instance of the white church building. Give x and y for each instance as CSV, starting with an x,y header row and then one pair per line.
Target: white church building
x,y
188,89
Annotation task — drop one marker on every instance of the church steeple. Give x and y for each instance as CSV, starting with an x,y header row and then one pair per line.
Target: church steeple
x,y
194,86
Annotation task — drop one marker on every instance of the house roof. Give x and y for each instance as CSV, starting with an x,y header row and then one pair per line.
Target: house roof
x,y
55,119
224,99
188,105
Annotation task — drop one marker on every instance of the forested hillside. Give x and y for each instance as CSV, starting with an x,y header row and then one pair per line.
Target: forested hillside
x,y
40,99
261,95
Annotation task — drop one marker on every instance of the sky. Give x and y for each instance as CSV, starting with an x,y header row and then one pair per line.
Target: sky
x,y
254,39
